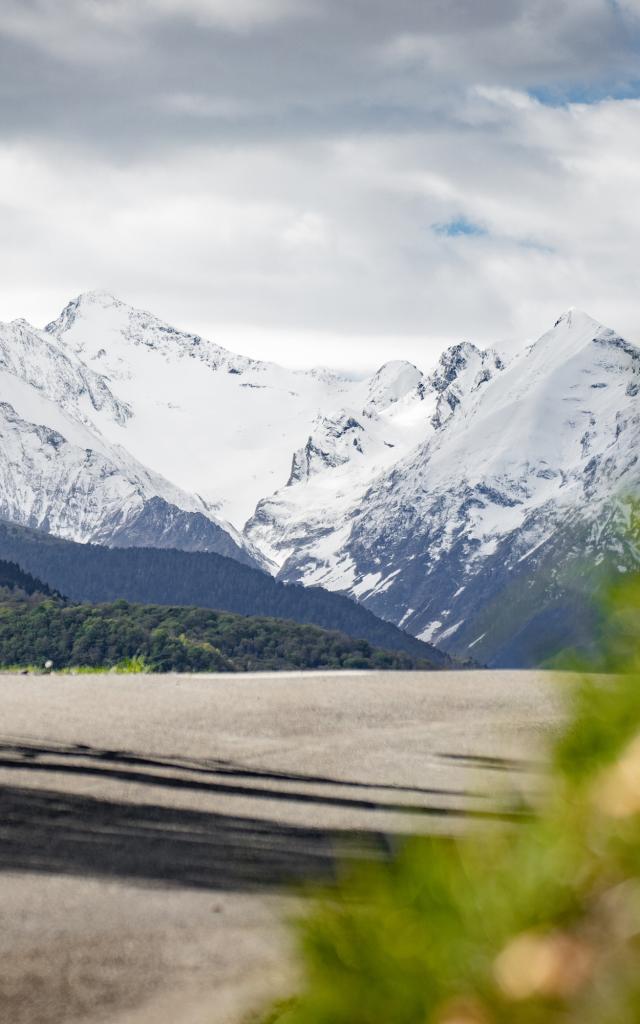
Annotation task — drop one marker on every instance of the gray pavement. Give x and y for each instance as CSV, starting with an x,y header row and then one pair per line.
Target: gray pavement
x,y
151,827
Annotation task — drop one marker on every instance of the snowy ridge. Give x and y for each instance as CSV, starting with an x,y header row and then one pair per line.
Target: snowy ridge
x,y
32,357
429,498
215,423
58,470
304,528
99,328
529,457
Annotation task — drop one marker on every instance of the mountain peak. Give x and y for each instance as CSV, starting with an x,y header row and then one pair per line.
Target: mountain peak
x,y
393,367
97,297
392,382
22,324
573,332
577,318
83,307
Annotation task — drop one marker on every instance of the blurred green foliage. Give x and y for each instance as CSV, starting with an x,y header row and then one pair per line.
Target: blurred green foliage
x,y
538,922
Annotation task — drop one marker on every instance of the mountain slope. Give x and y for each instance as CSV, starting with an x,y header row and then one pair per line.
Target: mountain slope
x,y
164,405
428,498
216,423
305,528
58,471
87,572
529,460
16,581
345,451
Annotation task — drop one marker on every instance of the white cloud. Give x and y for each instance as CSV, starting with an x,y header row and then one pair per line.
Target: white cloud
x,y
86,30
216,237
229,13
509,40
302,195
200,105
306,230
18,14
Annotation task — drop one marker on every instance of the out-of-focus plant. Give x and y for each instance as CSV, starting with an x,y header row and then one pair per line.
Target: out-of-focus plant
x,y
538,922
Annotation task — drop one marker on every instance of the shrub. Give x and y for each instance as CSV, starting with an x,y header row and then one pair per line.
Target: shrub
x,y
533,924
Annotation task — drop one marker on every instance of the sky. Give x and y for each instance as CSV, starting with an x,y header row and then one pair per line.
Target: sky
x,y
324,181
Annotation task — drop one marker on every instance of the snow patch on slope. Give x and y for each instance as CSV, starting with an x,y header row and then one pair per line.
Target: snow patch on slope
x,y
510,453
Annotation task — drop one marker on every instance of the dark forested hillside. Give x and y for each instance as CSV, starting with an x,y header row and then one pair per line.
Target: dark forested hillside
x,y
165,639
96,574
13,578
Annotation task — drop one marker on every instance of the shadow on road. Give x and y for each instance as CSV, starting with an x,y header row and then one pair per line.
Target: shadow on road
x,y
198,766
46,830
61,833
225,779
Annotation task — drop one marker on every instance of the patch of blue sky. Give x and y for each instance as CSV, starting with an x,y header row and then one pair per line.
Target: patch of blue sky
x,y
459,226
563,95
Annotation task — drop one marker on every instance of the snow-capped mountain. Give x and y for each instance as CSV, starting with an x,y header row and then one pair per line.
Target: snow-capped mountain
x,y
305,527
454,504
215,423
59,471
476,531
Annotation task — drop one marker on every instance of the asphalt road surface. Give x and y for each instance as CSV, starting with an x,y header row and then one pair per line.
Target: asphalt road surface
x,y
152,828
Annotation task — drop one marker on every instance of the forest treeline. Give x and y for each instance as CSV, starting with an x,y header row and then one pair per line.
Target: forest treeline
x,y
39,628
89,573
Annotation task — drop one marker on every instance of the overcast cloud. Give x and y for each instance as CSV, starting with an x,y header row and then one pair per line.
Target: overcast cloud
x,y
338,181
